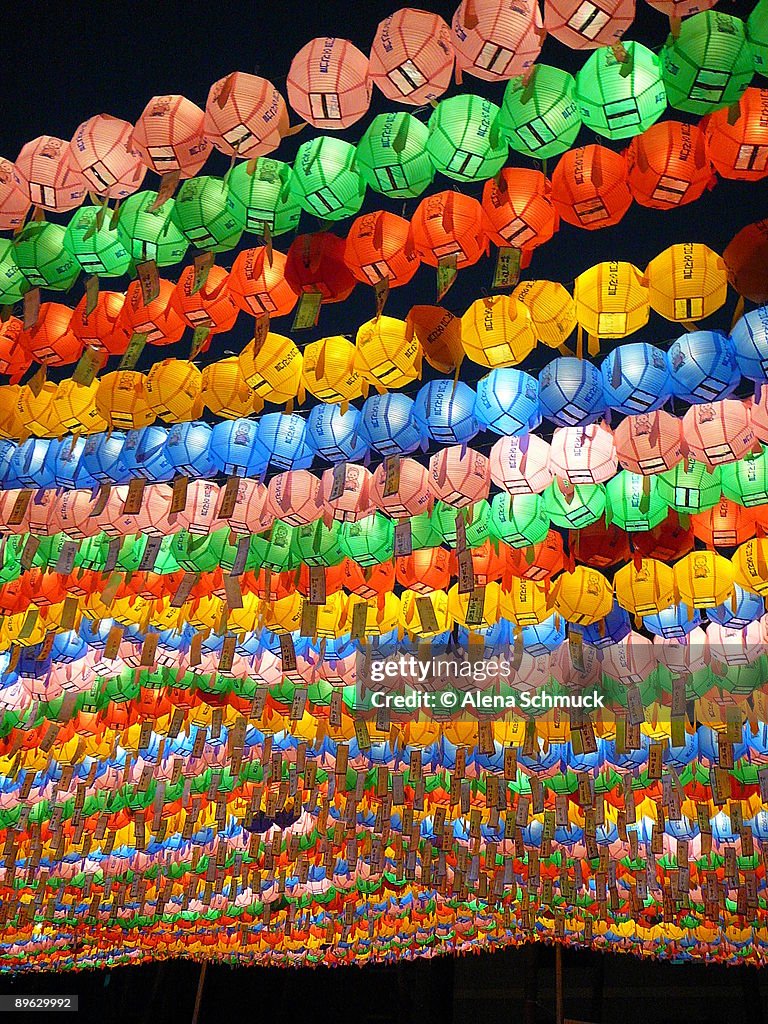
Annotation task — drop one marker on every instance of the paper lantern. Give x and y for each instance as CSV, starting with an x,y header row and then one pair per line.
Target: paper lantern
x,y
750,566
226,392
704,579
295,497
15,358
718,432
385,354
746,481
519,520
325,178
738,611
507,402
758,37
690,486
445,411
646,588
649,443
170,136
668,165
666,542
202,214
189,446
102,328
526,603
539,115
328,370
519,209
583,596
379,248
236,449
611,300
319,545
96,250
464,142
497,331
13,284
334,434
725,525
459,476
590,187
37,410
520,465
328,83
552,309
75,407
583,455
745,257
585,26
101,456
173,386
411,59
211,306
41,256
571,392
122,400
449,224
493,42
388,424
354,483
707,64
412,495
199,516
686,282
426,570
50,340
245,116
315,263
681,8
258,286
14,197
749,336
703,367
570,508
737,138
151,234
636,378
620,90
392,156
158,320
101,150
600,545
272,369
51,177
259,197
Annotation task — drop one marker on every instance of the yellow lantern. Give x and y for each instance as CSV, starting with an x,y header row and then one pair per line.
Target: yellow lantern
x,y
611,300
329,371
226,392
381,617
272,368
497,331
552,310
205,612
525,603
25,628
284,616
686,282
415,615
37,412
330,616
750,565
704,579
11,423
75,407
645,589
122,400
388,354
174,387
245,619
583,596
459,606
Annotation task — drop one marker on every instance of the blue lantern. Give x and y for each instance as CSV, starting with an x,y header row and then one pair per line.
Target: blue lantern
x,y
388,424
608,631
96,633
65,459
703,367
544,637
445,411
145,454
7,448
336,436
739,610
28,466
673,622
636,378
749,337
101,457
571,392
285,438
507,402
68,647
495,637
236,450
189,449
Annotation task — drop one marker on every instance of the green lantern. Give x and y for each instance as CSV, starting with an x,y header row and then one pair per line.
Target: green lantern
x,y
425,532
540,117
13,284
392,156
98,250
319,545
262,197
277,551
477,518
93,553
746,481
690,486
709,64
10,558
519,519
132,553
49,550
757,34
464,142
326,180
201,212
369,541
151,234
634,503
620,90
207,553
581,506
42,258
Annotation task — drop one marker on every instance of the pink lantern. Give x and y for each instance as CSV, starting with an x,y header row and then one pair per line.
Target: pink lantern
x,y
101,150
245,116
169,136
649,443
681,8
684,655
328,83
346,491
253,512
412,496
8,501
576,674
496,40
156,518
585,25
630,660
14,197
583,455
520,465
459,476
39,518
201,512
112,519
718,432
736,646
53,179
295,497
72,514
412,57
533,672
758,410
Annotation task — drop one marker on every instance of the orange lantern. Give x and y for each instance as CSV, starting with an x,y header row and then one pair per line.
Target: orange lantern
x,y
50,339
668,165
257,283
666,542
15,357
519,208
725,525
102,328
590,187
379,248
737,137
158,319
449,224
425,570
746,257
599,545
211,306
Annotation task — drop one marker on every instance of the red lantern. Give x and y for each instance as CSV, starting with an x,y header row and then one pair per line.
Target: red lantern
x,y
725,525
667,542
15,357
50,340
585,25
412,56
590,187
101,150
315,263
540,561
668,165
211,306
379,248
737,137
519,209
449,224
746,257
102,328
258,286
157,319
372,581
328,83
52,178
245,116
170,136
599,545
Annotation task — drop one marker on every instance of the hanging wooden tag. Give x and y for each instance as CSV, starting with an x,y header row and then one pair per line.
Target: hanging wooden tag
x,y
66,561
287,653
229,498
339,480
132,354
114,638
233,592
466,572
359,620
179,498
20,506
202,267
427,616
241,556
227,656
403,538
308,627
381,291
149,650
476,607
89,364
507,272
391,475
446,274
307,311
168,185
317,588
29,551
200,337
149,279
31,308
150,553
37,381
134,498
91,294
